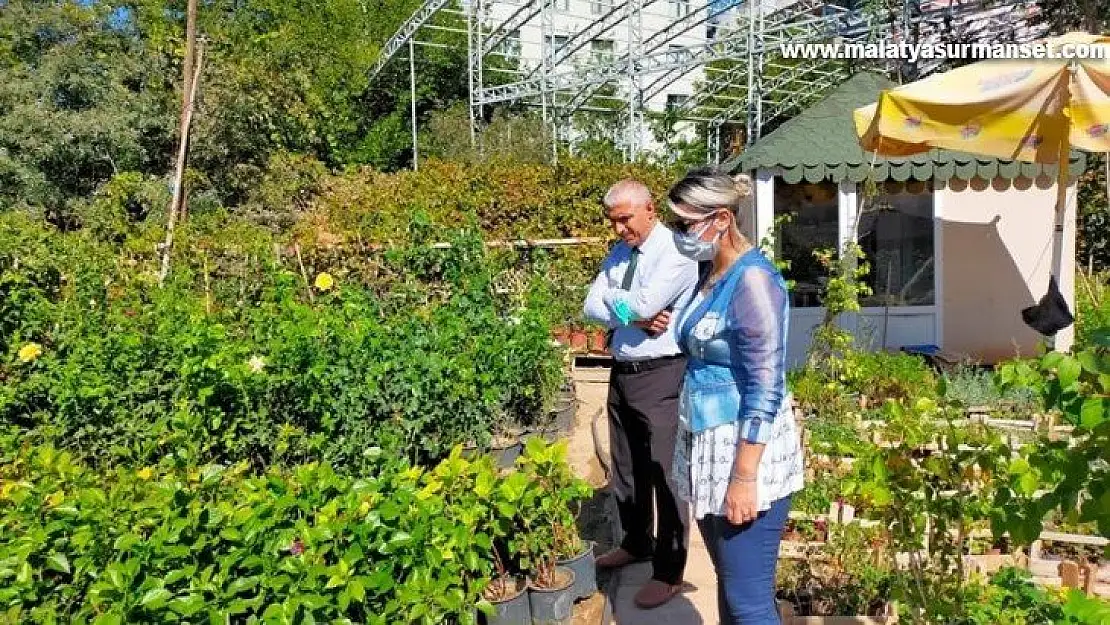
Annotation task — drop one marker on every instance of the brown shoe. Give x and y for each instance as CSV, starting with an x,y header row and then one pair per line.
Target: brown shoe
x,y
616,559
655,593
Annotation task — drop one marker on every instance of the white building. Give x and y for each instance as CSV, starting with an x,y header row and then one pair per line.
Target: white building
x,y
595,33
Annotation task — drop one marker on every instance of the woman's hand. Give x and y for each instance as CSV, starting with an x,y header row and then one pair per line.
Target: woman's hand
x,y
740,501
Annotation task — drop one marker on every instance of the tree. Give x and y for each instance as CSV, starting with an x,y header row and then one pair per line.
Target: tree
x,y
1093,244
92,90
1061,16
81,101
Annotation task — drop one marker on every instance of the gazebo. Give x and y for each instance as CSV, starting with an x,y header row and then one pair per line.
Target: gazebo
x,y
958,244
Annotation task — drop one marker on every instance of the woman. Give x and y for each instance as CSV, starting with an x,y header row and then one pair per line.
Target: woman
x,y
738,458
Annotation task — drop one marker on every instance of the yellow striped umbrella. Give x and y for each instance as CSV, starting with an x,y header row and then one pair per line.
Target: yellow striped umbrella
x,y
1032,110
1029,110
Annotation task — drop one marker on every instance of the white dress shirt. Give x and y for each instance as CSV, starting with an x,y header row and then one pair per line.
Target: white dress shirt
x,y
663,277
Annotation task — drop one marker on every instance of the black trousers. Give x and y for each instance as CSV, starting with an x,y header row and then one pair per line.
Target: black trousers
x,y
643,422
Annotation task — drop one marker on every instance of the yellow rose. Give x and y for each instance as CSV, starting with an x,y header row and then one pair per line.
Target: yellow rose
x,y
324,281
30,352
144,473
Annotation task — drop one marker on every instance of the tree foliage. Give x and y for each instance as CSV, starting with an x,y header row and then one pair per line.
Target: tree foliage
x,y
92,90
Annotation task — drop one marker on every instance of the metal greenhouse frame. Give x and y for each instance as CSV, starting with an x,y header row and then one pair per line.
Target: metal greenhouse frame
x,y
746,80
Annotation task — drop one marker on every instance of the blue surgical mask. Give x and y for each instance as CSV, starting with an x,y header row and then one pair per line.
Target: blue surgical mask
x,y
691,245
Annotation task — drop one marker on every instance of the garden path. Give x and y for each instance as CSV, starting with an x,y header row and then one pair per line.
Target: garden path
x,y
697,605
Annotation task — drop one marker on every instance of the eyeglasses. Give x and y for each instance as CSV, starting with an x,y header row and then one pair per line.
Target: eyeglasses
x,y
683,226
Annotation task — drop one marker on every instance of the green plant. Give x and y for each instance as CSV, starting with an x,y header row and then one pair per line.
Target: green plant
x,y
550,533
212,542
851,578
1069,476
253,361
1092,296
1010,598
929,484
885,375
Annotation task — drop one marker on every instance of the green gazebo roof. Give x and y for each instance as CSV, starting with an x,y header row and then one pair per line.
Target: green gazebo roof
x,y
821,144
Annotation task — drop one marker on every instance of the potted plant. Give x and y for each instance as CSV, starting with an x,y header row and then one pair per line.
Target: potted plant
x,y
551,595
598,341
497,503
553,542
508,597
562,412
578,556
579,342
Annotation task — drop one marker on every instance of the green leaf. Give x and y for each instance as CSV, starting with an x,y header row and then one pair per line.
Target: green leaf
x,y
273,612
881,496
1069,371
314,602
1090,361
188,606
357,591
1092,413
108,619
1029,483
240,584
878,467
180,574
58,562
1019,466
1052,360
155,598
25,573
125,542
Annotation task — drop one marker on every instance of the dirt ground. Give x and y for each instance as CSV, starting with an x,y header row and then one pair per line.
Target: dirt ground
x,y
596,514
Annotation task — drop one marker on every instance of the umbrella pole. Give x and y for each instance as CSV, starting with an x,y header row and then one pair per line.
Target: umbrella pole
x,y
1057,270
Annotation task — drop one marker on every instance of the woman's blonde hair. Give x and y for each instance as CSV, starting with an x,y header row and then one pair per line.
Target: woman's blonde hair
x,y
705,191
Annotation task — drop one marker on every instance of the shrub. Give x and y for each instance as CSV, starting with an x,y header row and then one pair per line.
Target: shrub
x,y
266,368
1092,296
192,543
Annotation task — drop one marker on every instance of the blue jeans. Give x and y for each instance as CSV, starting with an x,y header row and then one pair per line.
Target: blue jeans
x,y
745,558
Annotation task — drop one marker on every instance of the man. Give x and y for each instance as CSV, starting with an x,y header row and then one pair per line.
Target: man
x,y
641,281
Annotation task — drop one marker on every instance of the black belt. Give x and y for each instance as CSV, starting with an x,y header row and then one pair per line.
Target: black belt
x,y
639,366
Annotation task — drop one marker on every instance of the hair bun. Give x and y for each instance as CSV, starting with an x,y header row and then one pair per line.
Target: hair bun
x,y
743,184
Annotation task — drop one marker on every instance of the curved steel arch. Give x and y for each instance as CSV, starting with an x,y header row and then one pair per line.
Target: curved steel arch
x,y
405,33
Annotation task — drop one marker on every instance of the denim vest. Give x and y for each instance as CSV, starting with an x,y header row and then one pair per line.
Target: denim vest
x,y
711,393
715,372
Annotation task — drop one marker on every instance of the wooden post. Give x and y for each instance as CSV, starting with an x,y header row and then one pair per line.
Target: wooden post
x,y
1069,574
1090,576
179,173
187,80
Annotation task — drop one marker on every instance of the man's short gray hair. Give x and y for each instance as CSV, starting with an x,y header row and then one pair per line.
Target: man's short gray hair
x,y
627,191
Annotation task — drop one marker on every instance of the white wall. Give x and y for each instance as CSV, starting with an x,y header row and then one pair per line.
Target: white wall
x,y
994,245
997,260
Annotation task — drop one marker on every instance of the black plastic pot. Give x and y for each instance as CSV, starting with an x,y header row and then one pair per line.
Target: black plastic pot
x,y
506,456
553,606
516,610
585,572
